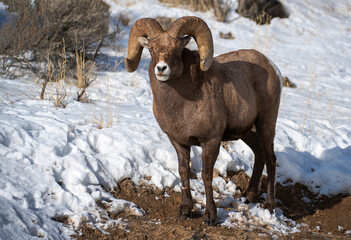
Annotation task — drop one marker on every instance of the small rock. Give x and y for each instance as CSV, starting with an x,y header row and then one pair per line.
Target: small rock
x,y
288,83
215,173
228,35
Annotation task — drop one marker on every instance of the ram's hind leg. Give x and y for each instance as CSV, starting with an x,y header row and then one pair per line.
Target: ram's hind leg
x,y
266,132
271,168
252,140
183,153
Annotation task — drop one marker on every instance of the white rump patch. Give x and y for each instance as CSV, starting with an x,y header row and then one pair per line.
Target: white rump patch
x,y
277,71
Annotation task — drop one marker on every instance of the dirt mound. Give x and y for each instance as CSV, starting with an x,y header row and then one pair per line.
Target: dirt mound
x,y
322,218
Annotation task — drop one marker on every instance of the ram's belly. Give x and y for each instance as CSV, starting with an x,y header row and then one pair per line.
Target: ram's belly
x,y
239,124
192,132
231,134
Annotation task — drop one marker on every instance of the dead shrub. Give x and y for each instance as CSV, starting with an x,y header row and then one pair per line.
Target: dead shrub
x,y
38,27
51,74
124,19
84,73
221,8
40,34
261,11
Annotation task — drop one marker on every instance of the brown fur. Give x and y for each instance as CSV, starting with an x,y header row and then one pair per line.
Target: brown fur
x,y
240,90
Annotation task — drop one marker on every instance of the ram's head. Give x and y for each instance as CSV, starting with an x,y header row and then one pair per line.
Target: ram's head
x,y
166,47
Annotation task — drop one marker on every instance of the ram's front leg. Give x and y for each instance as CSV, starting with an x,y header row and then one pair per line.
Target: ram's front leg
x,y
183,153
210,152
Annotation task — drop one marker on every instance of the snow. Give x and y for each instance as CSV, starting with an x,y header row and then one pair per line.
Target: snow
x,y
59,163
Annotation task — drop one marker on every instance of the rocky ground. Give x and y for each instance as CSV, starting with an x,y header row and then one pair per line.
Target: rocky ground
x,y
323,218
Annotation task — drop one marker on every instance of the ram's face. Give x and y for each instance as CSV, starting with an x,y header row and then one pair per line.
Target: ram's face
x,y
166,54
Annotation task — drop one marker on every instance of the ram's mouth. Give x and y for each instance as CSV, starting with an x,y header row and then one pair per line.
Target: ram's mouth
x,y
162,77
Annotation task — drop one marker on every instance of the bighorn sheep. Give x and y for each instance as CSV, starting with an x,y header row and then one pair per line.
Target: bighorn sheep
x,y
201,100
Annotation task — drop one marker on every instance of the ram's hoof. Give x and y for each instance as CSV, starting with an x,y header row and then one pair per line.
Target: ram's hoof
x,y
184,216
211,219
269,206
185,210
211,222
250,196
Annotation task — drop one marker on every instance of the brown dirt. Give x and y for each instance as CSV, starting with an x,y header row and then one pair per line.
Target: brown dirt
x,y
320,218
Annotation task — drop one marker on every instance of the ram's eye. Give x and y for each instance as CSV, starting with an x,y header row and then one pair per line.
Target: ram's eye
x,y
179,50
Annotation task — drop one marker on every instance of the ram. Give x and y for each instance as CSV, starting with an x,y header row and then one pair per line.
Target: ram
x,y
201,100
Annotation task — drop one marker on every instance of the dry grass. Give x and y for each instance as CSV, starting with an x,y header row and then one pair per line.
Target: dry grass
x,y
52,76
107,117
56,76
220,8
60,98
84,74
263,18
49,73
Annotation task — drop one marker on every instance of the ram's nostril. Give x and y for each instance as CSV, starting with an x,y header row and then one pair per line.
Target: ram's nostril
x,y
162,68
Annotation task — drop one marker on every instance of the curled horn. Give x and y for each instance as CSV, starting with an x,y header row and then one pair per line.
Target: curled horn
x,y
198,29
144,27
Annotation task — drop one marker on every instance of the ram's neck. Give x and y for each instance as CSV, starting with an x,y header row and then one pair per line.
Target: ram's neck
x,y
186,87
174,95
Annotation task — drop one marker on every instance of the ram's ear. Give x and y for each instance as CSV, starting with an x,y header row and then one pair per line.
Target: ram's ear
x,y
186,40
144,42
